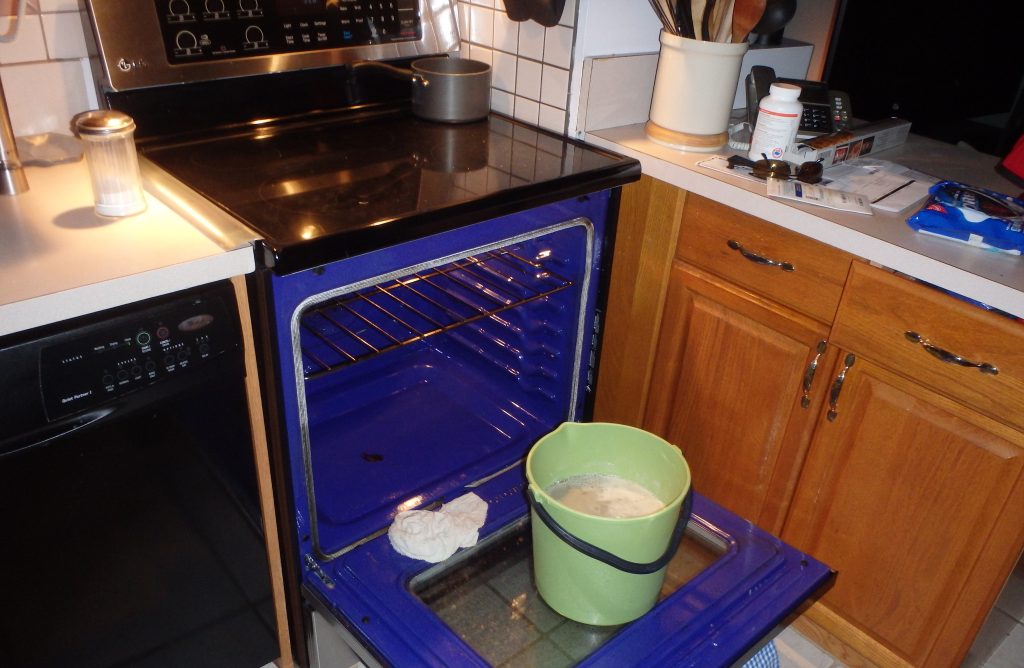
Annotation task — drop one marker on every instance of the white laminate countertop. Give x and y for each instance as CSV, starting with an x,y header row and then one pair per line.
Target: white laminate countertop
x,y
59,259
996,279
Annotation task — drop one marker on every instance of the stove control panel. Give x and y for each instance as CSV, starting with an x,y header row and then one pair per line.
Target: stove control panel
x,y
211,30
110,360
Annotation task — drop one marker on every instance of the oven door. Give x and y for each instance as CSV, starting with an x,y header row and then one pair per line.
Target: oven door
x,y
414,374
729,585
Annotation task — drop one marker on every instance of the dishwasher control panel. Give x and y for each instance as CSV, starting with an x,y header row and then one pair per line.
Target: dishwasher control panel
x,y
111,359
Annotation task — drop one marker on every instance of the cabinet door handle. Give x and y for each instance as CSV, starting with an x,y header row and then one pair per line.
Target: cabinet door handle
x,y
947,356
837,387
759,259
805,400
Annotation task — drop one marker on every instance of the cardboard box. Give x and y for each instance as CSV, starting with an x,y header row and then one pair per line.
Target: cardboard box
x,y
842,146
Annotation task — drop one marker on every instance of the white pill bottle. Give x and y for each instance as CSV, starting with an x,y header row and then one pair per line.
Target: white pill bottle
x,y
778,118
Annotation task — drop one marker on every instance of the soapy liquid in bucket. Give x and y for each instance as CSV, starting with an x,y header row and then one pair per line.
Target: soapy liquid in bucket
x,y
605,495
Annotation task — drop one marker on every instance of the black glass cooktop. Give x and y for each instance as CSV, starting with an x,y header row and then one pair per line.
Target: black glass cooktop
x,y
322,191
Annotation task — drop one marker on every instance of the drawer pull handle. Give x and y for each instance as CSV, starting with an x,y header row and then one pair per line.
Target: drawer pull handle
x,y
837,387
805,400
759,259
947,356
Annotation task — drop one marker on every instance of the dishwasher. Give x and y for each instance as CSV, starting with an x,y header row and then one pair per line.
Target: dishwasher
x,y
130,512
428,303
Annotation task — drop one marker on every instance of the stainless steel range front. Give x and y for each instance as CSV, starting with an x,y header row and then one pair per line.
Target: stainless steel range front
x,y
179,41
429,303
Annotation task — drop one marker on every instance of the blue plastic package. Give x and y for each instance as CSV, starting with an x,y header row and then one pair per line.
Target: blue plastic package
x,y
972,215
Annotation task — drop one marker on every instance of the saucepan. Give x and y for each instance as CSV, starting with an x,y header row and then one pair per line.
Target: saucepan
x,y
448,90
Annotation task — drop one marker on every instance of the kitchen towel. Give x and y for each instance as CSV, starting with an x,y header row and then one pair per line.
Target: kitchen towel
x,y
435,535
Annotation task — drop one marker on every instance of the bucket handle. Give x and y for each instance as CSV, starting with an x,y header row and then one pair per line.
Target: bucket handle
x,y
594,552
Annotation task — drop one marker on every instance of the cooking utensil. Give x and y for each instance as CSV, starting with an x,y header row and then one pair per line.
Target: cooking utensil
x,y
683,19
745,15
545,12
663,10
696,16
705,21
721,21
449,90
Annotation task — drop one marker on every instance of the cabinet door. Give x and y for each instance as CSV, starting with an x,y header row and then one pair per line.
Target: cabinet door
x,y
917,502
728,390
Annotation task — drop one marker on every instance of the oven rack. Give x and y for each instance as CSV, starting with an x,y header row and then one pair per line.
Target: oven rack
x,y
358,325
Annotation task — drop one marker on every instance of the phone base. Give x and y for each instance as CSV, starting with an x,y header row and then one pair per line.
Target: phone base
x,y
685,141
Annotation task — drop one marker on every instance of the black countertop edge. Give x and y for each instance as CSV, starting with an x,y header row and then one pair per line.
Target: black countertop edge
x,y
299,257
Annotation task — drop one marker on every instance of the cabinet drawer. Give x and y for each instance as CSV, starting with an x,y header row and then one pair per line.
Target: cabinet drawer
x,y
766,259
879,309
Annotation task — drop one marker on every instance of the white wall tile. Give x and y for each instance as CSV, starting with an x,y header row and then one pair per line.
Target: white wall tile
x,y
558,46
552,119
502,102
462,18
503,73
9,7
568,14
485,3
481,53
506,33
28,45
527,110
42,97
64,35
531,40
61,5
528,75
481,25
554,89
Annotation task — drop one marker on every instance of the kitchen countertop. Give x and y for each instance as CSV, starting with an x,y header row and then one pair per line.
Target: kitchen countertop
x,y
996,279
59,259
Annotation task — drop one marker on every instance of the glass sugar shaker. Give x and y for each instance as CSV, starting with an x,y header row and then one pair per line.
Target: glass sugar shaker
x,y
109,140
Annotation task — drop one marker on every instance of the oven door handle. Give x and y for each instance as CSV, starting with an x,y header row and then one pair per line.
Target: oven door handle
x,y
594,552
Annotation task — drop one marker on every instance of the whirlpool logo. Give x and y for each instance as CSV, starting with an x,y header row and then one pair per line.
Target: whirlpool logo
x,y
132,64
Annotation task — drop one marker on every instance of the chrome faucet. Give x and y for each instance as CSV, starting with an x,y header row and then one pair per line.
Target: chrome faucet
x,y
12,176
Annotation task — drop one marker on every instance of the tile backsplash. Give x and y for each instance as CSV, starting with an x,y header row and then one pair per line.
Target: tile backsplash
x,y
45,68
530,64
47,78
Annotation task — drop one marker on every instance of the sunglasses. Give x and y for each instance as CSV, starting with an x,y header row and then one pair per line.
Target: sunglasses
x,y
807,172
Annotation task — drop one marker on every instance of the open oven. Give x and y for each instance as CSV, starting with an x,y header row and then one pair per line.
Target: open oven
x,y
428,305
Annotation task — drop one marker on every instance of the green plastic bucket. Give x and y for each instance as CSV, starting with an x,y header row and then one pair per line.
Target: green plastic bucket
x,y
601,570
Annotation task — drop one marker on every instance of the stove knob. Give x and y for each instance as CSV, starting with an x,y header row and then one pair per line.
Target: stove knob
x,y
215,6
178,8
254,35
186,40
248,5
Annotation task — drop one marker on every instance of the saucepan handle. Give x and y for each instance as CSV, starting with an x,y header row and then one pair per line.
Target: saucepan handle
x,y
606,557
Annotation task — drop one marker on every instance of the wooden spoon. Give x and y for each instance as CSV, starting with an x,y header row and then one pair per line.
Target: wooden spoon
x,y
745,15
697,12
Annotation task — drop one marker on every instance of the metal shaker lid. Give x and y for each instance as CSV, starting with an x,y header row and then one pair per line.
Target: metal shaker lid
x,y
102,122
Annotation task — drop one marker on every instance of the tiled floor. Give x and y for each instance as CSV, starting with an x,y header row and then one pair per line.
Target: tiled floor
x,y
999,645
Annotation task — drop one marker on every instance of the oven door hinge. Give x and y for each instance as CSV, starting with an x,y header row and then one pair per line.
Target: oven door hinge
x,y
314,567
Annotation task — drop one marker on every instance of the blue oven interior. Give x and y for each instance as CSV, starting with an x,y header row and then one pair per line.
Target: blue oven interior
x,y
413,371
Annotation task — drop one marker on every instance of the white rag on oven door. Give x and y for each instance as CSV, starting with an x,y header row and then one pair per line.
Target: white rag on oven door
x,y
435,535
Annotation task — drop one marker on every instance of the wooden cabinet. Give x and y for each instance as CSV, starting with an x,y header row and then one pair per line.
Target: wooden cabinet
x,y
912,488
901,464
729,390
917,502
